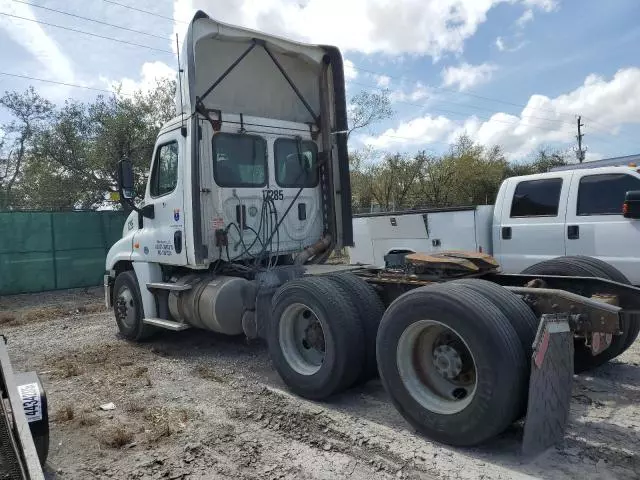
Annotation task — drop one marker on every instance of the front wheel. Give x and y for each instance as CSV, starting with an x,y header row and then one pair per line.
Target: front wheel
x,y
127,307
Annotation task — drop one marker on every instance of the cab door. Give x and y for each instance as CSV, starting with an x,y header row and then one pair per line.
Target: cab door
x,y
595,224
532,221
162,238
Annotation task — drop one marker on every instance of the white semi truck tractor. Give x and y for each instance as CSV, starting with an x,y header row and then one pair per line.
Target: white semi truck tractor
x,y
247,197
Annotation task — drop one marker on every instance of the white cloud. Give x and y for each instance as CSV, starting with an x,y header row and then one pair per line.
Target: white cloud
x,y
350,72
466,76
150,74
38,43
525,18
431,27
604,104
383,81
545,5
419,131
418,92
503,47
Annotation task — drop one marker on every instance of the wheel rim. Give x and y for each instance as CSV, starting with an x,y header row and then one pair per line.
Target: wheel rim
x,y
126,307
436,367
301,339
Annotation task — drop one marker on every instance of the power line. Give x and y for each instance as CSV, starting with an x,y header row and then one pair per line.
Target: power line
x,y
355,67
475,107
444,89
167,51
27,77
144,11
86,33
471,94
90,19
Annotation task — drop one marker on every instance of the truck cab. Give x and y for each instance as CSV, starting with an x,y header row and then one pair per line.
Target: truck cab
x,y
238,173
568,212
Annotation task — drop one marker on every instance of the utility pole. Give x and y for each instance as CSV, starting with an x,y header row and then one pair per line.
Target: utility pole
x,y
580,151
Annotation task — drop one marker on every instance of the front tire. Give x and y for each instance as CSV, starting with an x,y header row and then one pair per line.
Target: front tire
x,y
127,307
452,364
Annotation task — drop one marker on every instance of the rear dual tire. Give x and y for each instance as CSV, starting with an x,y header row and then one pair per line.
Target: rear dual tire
x,y
583,266
316,342
458,333
370,309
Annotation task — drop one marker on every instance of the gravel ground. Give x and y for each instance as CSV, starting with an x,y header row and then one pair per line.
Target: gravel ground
x,y
194,405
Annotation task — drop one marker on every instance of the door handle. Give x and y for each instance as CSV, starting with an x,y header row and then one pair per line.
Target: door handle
x,y
506,233
573,232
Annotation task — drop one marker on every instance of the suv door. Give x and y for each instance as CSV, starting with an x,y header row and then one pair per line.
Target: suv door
x,y
532,221
595,225
162,237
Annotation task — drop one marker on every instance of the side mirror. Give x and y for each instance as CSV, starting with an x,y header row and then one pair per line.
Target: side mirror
x,y
631,208
126,179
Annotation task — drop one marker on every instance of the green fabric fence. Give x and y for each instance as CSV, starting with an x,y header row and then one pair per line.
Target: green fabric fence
x,y
55,250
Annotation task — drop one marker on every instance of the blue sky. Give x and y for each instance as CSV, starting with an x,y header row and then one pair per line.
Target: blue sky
x,y
514,72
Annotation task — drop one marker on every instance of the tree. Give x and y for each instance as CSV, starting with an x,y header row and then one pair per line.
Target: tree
x,y
75,165
368,108
29,112
436,181
543,160
392,181
478,171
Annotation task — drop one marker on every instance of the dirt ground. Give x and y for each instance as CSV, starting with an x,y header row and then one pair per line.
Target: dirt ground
x,y
194,405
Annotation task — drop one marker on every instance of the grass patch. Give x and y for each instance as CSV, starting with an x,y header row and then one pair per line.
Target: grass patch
x,y
47,312
92,308
163,422
68,369
133,406
88,419
65,414
8,319
116,437
208,374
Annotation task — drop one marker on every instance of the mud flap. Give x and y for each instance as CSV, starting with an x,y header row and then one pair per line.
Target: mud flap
x,y
549,386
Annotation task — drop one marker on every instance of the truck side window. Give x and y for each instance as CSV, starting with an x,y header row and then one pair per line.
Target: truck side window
x,y
239,160
296,163
164,176
604,194
537,198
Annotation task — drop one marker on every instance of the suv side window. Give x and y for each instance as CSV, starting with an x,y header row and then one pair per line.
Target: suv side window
x,y
604,194
537,198
164,176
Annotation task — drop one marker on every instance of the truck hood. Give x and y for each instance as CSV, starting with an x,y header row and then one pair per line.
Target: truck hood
x,y
211,47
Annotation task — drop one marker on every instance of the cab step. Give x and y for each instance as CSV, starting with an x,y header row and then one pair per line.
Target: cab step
x,y
176,287
166,324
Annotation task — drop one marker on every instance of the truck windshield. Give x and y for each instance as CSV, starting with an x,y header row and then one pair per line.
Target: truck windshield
x,y
296,163
239,160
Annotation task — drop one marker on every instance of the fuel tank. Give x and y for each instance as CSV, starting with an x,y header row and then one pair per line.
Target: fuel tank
x,y
212,303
